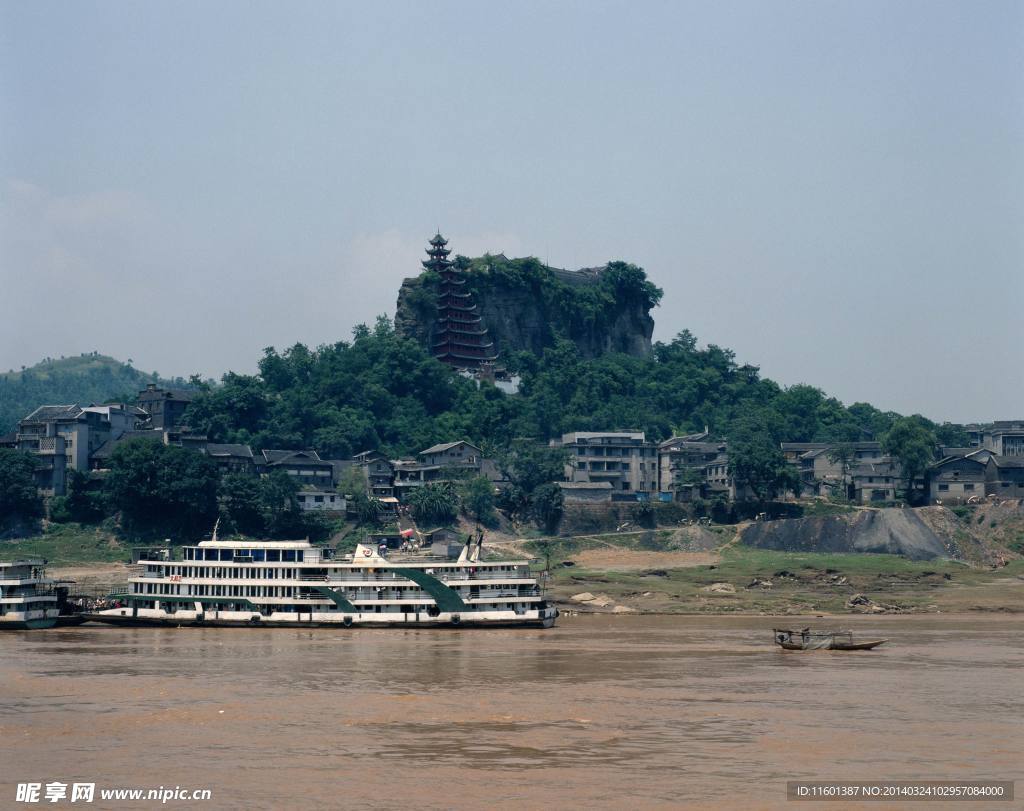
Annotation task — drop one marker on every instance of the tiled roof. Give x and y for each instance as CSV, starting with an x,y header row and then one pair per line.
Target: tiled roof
x,y
49,413
105,450
446,445
274,457
1008,461
242,451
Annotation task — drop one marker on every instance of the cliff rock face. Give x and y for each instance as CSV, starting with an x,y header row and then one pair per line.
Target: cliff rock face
x,y
527,307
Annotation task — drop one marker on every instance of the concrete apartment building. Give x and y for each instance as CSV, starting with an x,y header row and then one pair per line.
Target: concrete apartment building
x,y
1003,437
65,437
624,459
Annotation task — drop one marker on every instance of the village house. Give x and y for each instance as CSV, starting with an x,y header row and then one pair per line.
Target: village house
x,y
100,459
314,499
956,480
586,492
1004,476
444,462
165,407
824,472
694,466
874,483
231,458
624,459
379,472
306,466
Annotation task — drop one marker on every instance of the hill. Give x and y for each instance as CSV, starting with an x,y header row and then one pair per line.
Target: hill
x,y
86,378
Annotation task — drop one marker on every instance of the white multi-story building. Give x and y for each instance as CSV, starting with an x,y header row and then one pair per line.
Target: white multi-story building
x,y
624,459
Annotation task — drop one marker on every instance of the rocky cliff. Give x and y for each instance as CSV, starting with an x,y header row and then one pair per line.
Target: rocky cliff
x,y
528,306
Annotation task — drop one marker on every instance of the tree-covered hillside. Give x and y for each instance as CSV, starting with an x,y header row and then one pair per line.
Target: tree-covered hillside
x,y
382,390
83,379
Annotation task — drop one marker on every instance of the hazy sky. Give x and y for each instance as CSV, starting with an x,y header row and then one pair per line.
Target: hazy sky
x,y
833,190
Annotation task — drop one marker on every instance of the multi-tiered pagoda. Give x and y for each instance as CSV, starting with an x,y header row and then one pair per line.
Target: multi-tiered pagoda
x,y
461,339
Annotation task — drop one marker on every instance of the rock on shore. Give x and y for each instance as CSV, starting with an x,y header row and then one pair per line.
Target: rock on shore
x,y
892,531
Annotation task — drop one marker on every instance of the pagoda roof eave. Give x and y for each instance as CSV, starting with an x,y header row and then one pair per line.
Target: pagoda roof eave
x,y
477,359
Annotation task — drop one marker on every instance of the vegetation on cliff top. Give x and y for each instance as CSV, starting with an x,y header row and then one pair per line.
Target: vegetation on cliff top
x,y
570,310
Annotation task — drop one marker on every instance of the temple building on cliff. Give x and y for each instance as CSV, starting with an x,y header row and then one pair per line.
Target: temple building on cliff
x,y
461,340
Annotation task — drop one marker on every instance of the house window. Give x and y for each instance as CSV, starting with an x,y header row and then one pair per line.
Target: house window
x,y
943,487
968,487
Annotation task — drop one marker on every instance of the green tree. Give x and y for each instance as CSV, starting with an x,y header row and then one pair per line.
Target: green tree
x,y
279,504
85,503
477,496
353,481
19,498
547,504
241,499
368,508
434,503
756,462
528,465
162,489
912,443
843,454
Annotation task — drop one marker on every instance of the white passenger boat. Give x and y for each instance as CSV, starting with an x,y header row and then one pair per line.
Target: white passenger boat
x,y
27,597
293,583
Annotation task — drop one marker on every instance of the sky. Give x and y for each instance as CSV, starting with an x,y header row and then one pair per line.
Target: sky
x,y
833,190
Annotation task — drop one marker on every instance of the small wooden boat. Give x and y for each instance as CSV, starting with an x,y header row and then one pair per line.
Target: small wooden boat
x,y
806,639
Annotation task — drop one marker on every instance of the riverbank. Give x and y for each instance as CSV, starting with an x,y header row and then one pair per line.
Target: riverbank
x,y
689,570
742,580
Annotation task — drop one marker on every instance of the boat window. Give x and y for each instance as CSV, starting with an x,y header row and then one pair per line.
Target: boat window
x,y
211,554
298,555
288,556
273,555
226,554
257,555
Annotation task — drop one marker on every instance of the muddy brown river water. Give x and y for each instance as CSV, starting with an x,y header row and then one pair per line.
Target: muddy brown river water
x,y
599,712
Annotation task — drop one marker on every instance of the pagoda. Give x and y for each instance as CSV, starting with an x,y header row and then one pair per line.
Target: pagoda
x,y
461,339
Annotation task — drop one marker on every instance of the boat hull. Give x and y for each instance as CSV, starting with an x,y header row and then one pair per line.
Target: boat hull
x,y
543,617
28,625
186,622
874,643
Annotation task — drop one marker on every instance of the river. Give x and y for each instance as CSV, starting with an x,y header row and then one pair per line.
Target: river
x,y
600,712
